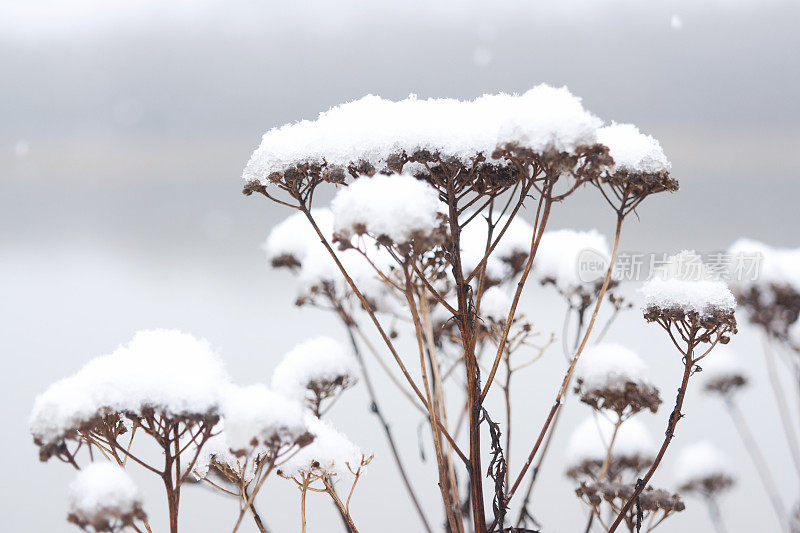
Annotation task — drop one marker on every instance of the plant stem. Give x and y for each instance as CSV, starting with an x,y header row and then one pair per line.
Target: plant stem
x,y
672,422
715,515
374,407
568,376
751,445
783,408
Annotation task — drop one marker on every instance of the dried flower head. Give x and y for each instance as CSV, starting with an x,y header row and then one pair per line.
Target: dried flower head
x,y
640,167
396,210
685,292
610,376
722,373
484,146
633,449
703,469
315,371
650,500
103,499
771,290
160,375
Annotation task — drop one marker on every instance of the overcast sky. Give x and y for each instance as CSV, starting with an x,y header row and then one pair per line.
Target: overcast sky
x,y
124,127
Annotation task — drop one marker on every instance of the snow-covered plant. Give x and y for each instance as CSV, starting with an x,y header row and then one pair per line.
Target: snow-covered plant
x,y
438,220
703,470
315,371
103,499
331,458
602,450
696,309
172,389
612,377
446,202
771,294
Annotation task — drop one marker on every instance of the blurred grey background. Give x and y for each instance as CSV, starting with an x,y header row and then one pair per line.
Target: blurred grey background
x,y
124,127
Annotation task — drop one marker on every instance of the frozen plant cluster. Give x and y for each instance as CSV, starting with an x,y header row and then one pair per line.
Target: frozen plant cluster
x,y
373,129
685,285
104,497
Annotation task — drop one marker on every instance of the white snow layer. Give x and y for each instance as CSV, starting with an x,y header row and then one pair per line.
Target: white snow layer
x,y
543,119
559,255
721,363
632,150
777,266
295,236
257,419
698,462
315,360
170,371
684,283
591,438
495,304
397,206
330,454
103,492
610,365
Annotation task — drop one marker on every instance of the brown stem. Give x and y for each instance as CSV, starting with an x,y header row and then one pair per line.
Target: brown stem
x,y
751,445
365,305
451,506
467,328
783,408
673,421
568,376
343,512
374,407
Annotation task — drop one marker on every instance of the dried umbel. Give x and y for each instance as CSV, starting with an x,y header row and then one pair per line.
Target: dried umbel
x,y
702,469
623,398
650,499
709,485
722,374
770,306
766,281
613,378
315,371
613,451
627,467
103,499
640,167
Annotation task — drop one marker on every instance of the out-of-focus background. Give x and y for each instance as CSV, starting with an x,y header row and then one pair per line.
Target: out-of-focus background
x,y
124,127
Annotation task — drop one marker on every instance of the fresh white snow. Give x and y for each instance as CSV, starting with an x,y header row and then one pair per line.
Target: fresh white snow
x,y
610,365
170,371
396,206
372,128
103,492
589,441
559,255
684,283
698,462
330,454
632,150
314,360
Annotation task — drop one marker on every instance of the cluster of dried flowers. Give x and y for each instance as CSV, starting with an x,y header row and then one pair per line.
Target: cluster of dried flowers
x,y
172,389
438,221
